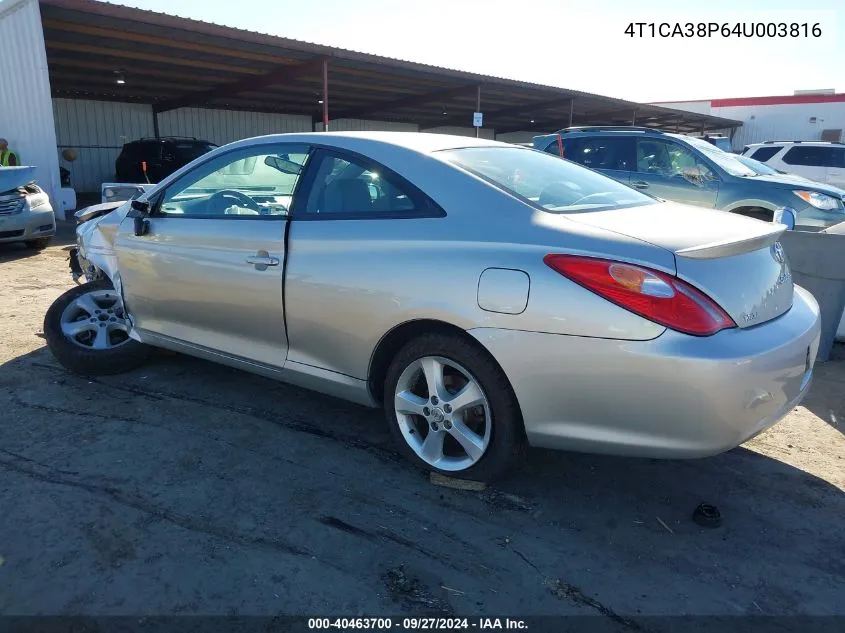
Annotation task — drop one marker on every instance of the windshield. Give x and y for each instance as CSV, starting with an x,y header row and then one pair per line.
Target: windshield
x,y
186,152
761,168
252,173
726,161
544,180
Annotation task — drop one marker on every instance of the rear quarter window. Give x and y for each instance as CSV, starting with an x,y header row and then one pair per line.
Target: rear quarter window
x,y
765,153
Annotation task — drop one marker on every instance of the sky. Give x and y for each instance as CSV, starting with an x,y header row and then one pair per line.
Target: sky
x,y
577,45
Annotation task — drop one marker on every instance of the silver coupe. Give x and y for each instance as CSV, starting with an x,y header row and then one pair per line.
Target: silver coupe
x,y
486,295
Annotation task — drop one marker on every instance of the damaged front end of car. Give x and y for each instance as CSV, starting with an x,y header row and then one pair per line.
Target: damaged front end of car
x,y
94,256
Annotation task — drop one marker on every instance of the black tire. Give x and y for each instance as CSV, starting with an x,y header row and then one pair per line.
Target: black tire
x,y
38,244
507,431
85,361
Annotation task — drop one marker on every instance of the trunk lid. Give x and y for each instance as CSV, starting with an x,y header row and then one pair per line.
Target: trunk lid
x,y
737,261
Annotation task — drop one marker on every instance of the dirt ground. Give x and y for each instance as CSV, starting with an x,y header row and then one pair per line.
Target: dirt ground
x,y
191,488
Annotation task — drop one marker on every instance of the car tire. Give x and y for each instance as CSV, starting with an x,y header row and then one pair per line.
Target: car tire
x,y
462,359
80,352
38,244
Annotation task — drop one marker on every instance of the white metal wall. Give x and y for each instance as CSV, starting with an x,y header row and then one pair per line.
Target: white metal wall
x,y
225,126
699,107
486,132
787,121
26,118
366,125
97,130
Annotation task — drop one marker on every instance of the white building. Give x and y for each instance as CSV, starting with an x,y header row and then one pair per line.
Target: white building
x,y
804,116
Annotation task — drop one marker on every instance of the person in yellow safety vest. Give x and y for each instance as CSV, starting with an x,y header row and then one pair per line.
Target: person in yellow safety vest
x,y
8,157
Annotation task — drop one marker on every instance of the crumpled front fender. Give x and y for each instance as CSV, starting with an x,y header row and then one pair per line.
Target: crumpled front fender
x,y
96,242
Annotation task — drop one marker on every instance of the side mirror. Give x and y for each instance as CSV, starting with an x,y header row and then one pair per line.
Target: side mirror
x,y
786,216
142,225
138,212
141,208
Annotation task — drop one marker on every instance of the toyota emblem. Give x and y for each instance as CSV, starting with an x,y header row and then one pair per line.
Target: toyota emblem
x,y
777,253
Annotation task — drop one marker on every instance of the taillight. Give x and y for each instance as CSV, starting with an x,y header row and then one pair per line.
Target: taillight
x,y
653,295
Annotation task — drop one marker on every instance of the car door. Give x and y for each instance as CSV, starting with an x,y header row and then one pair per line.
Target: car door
x,y
209,270
836,170
613,156
808,161
354,220
669,170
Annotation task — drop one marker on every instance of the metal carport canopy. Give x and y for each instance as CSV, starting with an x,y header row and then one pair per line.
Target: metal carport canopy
x,y
171,62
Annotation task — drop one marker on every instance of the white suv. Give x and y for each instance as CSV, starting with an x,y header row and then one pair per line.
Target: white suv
x,y
817,160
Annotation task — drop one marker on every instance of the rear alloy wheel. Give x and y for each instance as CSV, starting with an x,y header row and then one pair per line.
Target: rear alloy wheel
x,y
88,333
451,409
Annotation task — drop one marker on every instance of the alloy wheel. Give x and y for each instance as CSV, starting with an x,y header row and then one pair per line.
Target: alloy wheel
x,y
95,320
443,413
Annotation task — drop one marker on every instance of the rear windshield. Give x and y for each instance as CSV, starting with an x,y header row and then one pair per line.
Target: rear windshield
x,y
545,181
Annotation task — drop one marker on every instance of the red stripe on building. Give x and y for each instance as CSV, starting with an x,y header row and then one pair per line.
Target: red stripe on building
x,y
786,99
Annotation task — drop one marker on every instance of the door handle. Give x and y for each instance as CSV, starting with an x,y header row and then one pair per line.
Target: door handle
x,y
640,184
261,260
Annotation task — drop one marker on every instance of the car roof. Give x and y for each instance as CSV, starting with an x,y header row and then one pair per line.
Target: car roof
x,y
782,143
422,142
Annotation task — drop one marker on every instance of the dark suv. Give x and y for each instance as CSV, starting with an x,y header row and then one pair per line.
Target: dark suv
x,y
162,156
691,170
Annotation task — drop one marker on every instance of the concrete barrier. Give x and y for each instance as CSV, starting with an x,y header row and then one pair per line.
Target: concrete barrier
x,y
817,261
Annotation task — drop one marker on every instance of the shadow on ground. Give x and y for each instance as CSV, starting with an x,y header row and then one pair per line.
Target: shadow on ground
x,y
188,487
65,237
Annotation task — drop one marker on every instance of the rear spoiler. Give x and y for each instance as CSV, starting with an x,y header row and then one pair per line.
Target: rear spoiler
x,y
726,248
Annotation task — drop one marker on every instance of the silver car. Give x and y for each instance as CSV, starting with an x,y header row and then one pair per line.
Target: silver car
x,y
485,295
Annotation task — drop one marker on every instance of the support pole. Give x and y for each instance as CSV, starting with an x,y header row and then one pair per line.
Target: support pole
x,y
702,128
478,107
325,95
634,118
571,111
155,123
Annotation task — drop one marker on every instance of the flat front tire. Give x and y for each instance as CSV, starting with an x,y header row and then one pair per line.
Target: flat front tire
x,y
451,409
88,333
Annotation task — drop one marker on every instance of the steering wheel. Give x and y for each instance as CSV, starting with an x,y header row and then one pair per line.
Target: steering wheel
x,y
236,197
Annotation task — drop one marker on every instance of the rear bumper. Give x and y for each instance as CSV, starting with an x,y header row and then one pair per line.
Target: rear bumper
x,y
674,396
29,225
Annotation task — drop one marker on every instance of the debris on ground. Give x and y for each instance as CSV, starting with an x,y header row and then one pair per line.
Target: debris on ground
x,y
458,484
663,523
412,593
707,516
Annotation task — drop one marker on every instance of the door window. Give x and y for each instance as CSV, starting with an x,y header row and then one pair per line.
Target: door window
x,y
351,187
663,158
809,156
615,153
838,159
246,183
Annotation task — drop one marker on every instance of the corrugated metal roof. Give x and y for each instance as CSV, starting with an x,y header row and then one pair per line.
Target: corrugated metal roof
x,y
174,62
